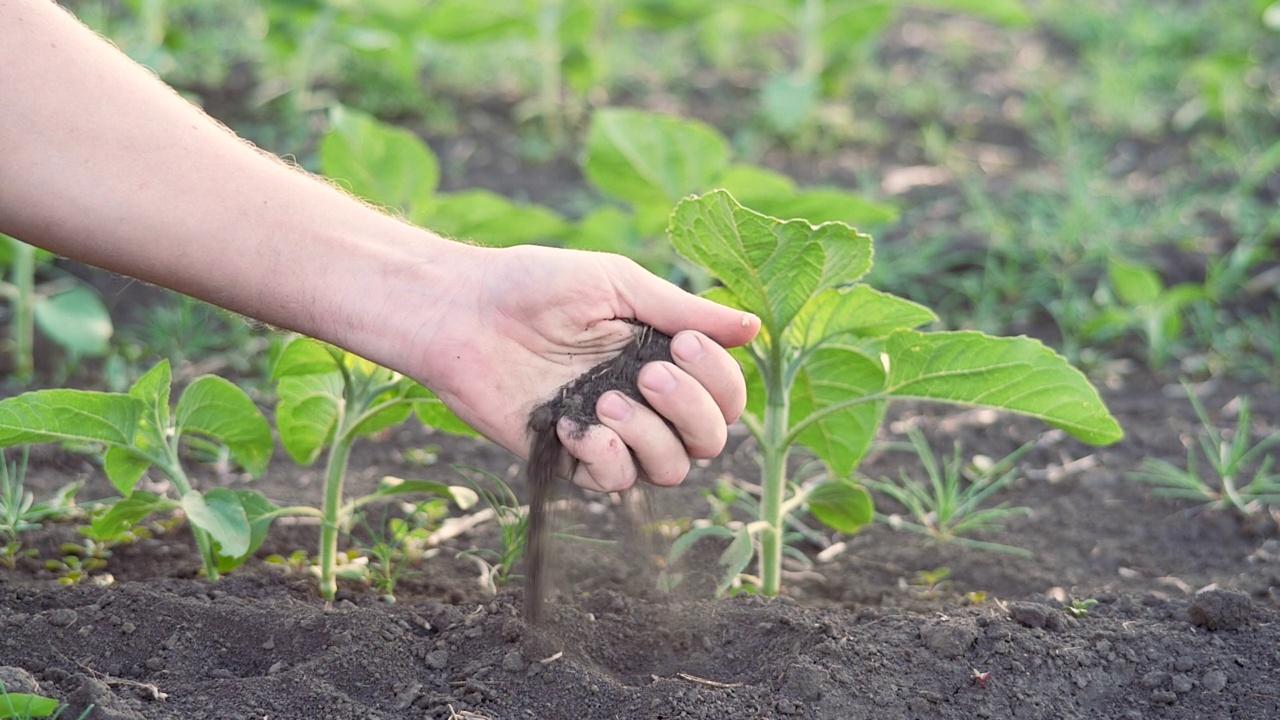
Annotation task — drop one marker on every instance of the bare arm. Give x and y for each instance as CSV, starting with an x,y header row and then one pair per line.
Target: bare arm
x,y
103,163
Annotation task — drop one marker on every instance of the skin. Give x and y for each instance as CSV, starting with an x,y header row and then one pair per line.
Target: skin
x,y
103,163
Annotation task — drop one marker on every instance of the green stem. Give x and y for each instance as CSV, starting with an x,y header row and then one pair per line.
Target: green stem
x,y
550,55
335,472
173,468
774,449
813,56
23,328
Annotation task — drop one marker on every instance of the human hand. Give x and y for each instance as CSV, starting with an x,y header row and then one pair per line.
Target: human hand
x,y
524,321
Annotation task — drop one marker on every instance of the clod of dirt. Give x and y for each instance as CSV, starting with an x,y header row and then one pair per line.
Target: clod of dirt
x,y
949,638
1035,615
105,703
576,401
17,680
1220,609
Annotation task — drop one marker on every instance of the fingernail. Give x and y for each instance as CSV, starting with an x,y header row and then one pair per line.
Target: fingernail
x,y
658,378
687,347
614,406
746,319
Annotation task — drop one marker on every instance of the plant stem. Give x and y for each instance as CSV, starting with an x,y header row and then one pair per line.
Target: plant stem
x,y
550,55
774,448
23,327
173,468
335,472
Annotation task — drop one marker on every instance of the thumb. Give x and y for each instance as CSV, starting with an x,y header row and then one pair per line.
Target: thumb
x,y
669,309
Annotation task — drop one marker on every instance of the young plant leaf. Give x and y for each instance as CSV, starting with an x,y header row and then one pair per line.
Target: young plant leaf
x,y
858,311
220,513
260,512
126,513
76,320
735,558
463,497
215,408
834,376
24,705
773,267
491,219
1016,374
69,415
307,414
651,160
383,164
842,505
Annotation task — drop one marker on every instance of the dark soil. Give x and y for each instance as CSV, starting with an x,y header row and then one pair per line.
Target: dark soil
x,y
1184,625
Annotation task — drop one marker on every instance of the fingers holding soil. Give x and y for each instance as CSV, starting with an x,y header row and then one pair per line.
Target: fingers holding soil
x,y
663,457
604,462
715,369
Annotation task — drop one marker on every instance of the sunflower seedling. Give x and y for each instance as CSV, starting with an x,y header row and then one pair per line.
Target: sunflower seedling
x,y
832,353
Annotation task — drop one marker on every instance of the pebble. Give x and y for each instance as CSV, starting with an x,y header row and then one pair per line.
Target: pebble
x,y
62,617
514,662
437,659
1153,680
1214,681
949,639
1183,683
1164,697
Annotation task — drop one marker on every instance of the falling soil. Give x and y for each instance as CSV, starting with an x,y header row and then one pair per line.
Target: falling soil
x,y
577,402
1184,625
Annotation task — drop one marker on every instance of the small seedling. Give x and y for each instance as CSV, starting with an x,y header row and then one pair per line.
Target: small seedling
x,y
19,512
949,506
497,566
1080,608
295,563
395,542
1230,460
931,584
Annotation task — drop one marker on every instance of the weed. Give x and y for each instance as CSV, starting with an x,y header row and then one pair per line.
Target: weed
x,y
19,512
1230,456
497,566
949,506
395,542
931,584
26,706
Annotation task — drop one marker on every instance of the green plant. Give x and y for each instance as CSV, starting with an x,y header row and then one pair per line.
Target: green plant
x,y
65,310
25,706
1138,300
497,566
1080,608
949,506
651,161
1230,460
392,167
394,542
832,353
19,511
140,431
931,584
329,398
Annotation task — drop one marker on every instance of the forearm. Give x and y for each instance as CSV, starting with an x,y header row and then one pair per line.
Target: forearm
x,y
101,162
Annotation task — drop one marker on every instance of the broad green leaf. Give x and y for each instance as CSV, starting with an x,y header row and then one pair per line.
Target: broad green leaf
x,y
664,14
1016,374
842,505
307,414
789,101
468,21
853,312
750,185
820,205
219,513
832,376
259,512
685,542
215,408
69,415
773,267
124,467
126,513
25,705
1134,284
490,219
388,417
433,413
851,23
153,390
651,160
76,320
383,164
304,356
